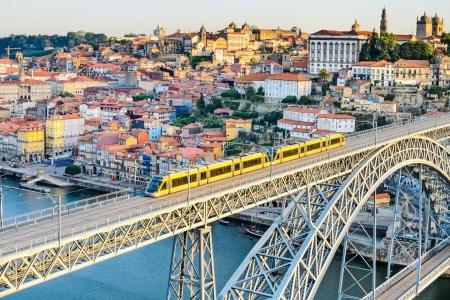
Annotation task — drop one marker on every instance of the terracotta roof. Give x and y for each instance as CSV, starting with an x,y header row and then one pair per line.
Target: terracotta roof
x,y
253,77
409,63
372,63
334,116
288,77
404,37
303,110
295,122
341,33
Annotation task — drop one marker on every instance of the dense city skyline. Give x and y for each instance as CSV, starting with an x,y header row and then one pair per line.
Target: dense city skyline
x,y
138,16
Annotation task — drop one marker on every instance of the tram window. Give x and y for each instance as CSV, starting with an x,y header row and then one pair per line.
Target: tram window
x,y
164,186
202,175
237,166
313,147
179,181
290,152
335,141
193,178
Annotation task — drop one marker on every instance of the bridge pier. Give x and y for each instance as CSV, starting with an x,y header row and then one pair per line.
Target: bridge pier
x,y
192,267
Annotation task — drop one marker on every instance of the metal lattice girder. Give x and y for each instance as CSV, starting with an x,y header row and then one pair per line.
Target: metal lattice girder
x,y
192,268
56,258
32,260
323,233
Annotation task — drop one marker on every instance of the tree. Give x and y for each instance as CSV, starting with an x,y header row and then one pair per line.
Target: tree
x,y
305,100
370,50
201,104
72,170
272,117
215,103
260,91
231,94
417,50
249,92
257,98
65,95
445,39
140,97
324,75
289,100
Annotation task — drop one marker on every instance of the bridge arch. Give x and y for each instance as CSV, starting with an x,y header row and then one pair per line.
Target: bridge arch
x,y
324,231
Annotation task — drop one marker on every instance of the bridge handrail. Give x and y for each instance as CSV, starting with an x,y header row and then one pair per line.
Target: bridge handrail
x,y
48,213
110,220
408,269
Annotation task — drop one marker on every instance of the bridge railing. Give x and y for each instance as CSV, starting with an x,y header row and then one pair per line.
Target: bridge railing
x,y
408,269
66,209
354,143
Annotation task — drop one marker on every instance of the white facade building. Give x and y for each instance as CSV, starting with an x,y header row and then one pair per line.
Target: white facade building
x,y
378,72
279,86
336,123
335,50
303,114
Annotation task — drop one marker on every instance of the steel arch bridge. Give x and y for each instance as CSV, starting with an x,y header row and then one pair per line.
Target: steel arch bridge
x,y
102,232
291,259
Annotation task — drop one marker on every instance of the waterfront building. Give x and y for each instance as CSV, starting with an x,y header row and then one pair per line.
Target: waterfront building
x,y
334,50
62,133
31,142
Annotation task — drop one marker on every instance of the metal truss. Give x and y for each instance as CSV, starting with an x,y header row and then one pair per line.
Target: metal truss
x,y
37,263
302,259
192,268
24,265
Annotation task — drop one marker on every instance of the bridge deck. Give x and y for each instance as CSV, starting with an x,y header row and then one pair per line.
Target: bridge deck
x,y
408,283
30,233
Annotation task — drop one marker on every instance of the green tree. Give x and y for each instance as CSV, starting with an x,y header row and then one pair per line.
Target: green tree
x,y
272,117
65,95
445,39
260,91
215,103
231,94
140,97
380,47
305,100
324,75
201,104
417,50
289,100
257,98
72,170
249,92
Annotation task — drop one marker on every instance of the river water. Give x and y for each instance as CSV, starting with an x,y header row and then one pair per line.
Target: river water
x,y
143,273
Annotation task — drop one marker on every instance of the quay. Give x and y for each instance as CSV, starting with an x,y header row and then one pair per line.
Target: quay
x,y
58,180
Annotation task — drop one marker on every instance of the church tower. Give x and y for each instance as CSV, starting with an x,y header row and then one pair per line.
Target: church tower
x,y
203,35
437,26
383,23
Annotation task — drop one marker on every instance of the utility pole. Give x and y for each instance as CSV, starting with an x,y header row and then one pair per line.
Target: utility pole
x,y
135,174
1,207
59,219
189,182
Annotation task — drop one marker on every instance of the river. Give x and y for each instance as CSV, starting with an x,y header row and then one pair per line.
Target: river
x,y
143,273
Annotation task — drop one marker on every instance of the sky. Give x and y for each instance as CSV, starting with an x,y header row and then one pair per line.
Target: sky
x,y
117,17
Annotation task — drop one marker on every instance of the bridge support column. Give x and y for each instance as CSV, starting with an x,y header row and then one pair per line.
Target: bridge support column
x,y
192,268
